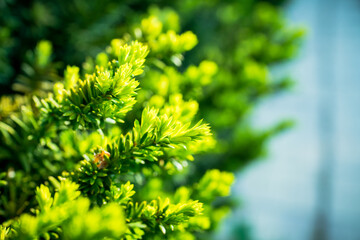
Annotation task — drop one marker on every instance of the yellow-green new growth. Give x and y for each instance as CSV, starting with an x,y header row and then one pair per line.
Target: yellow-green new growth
x,y
105,95
68,216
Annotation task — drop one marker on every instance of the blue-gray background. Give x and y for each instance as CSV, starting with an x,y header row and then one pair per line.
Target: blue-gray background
x,y
309,185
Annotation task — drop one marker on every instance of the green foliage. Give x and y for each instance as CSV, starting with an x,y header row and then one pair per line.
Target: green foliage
x,y
153,142
117,148
214,184
105,95
69,217
39,72
121,195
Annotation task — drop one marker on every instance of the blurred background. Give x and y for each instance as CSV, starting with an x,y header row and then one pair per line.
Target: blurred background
x,y
303,184
308,187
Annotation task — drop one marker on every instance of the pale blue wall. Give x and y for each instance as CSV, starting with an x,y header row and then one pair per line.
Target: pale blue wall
x,y
319,160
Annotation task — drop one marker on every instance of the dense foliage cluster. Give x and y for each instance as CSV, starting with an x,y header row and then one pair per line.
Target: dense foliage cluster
x,y
116,148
